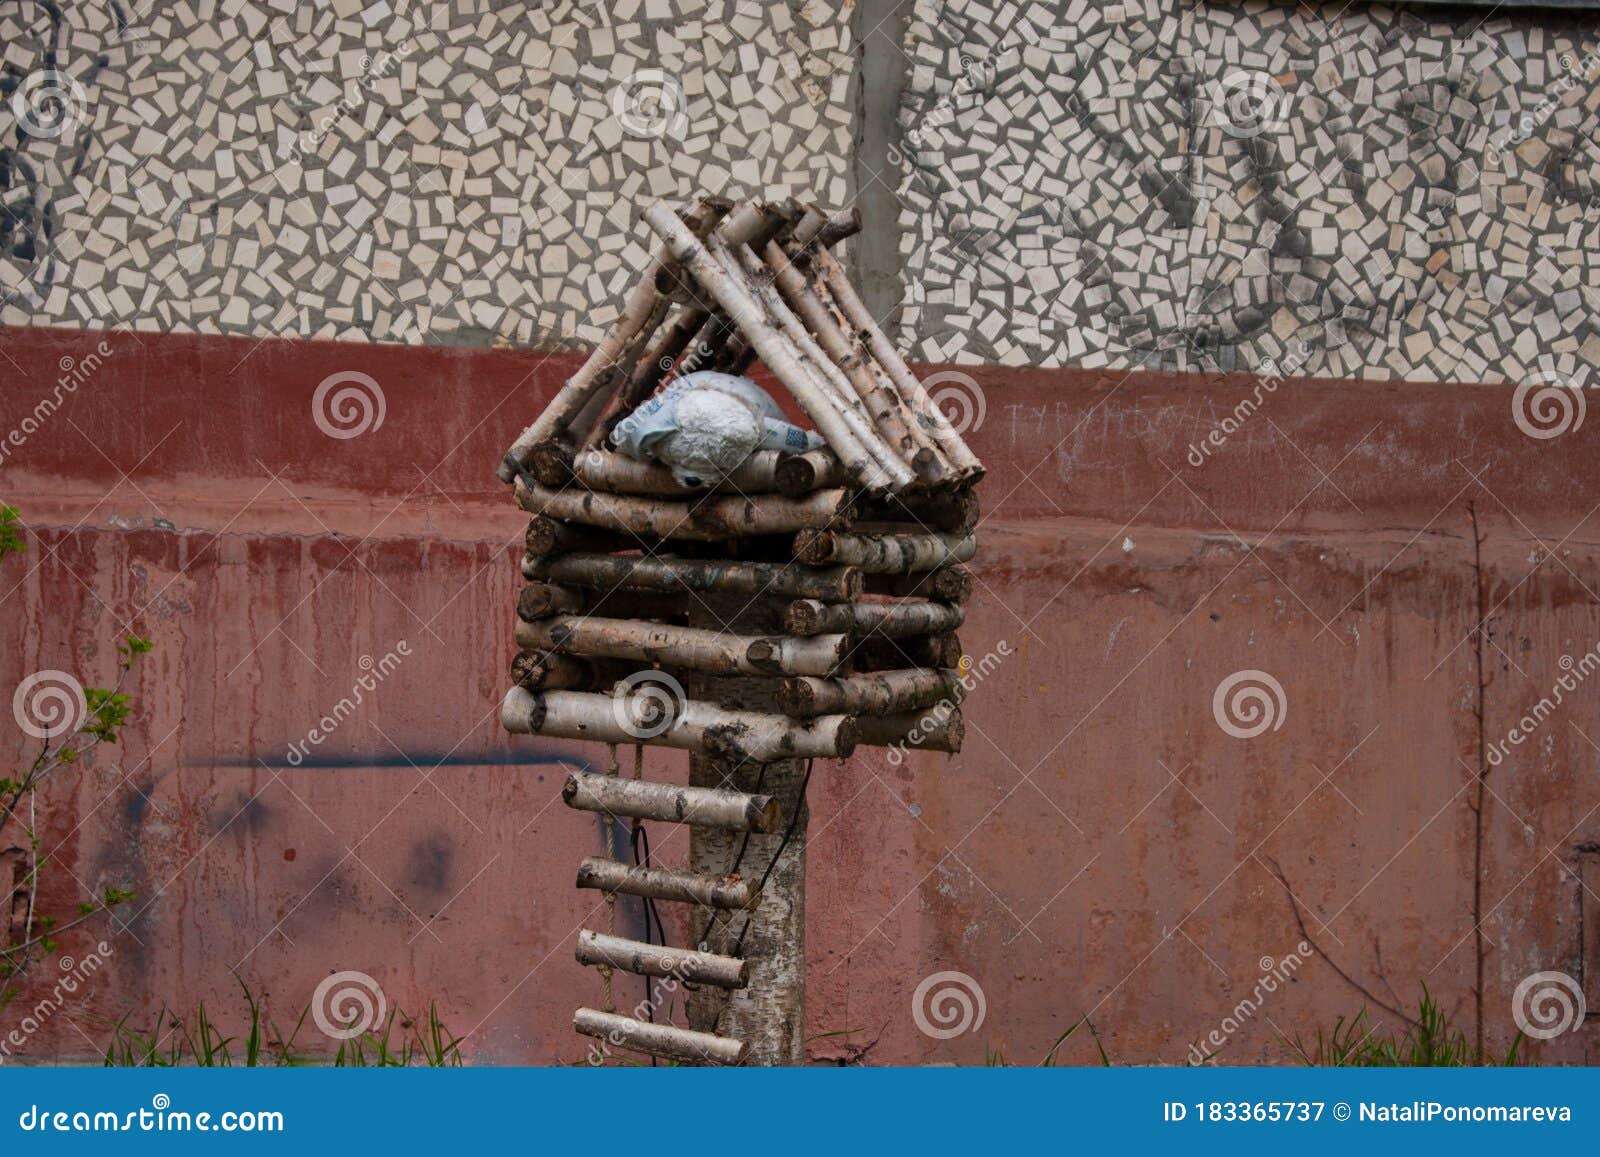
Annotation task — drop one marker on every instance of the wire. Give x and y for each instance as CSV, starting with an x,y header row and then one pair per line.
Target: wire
x,y
794,822
761,778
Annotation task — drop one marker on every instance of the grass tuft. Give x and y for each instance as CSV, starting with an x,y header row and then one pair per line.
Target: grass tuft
x,y
1432,1042
200,1043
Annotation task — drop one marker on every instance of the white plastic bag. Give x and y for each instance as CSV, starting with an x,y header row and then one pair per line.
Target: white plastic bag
x,y
705,424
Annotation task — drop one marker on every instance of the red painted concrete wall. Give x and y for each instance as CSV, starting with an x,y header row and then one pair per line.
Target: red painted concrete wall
x,y
1102,847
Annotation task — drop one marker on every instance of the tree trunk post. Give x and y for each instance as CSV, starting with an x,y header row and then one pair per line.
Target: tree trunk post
x,y
769,1012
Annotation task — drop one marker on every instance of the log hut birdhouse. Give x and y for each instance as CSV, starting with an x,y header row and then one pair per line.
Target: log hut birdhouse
x,y
757,594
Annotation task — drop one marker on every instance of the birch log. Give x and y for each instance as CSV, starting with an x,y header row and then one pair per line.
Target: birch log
x,y
883,553
743,263
550,462
598,370
797,474
592,377
881,401
546,536
881,693
600,950
706,519
690,725
939,728
685,330
612,876
646,572
647,800
749,223
658,1040
745,311
812,221
911,390
843,224
891,620
693,648
534,672
542,671
586,426
619,474
824,372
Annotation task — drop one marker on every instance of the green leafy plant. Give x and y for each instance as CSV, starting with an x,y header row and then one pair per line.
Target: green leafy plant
x,y
995,1058
197,1041
107,710
1431,1041
11,540
430,1045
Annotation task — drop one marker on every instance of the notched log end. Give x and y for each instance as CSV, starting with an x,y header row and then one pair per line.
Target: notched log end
x,y
794,476
797,697
803,617
551,463
765,654
522,712
525,667
849,736
813,546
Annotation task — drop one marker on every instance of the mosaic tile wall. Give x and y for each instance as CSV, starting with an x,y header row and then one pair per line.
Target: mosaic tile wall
x,y
1343,190
388,169
1348,190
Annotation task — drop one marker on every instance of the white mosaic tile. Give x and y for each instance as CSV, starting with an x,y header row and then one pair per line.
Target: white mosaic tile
x,y
1084,166
458,171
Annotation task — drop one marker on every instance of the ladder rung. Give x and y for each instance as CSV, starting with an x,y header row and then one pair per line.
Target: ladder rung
x,y
658,1040
596,948
667,884
648,800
